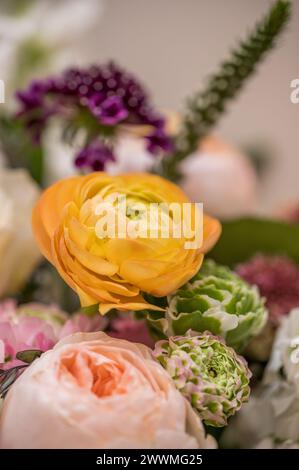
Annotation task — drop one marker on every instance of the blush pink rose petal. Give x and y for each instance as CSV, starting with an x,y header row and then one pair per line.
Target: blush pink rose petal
x,y
94,391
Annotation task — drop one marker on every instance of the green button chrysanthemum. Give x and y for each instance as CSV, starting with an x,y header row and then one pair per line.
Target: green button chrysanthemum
x,y
217,300
213,378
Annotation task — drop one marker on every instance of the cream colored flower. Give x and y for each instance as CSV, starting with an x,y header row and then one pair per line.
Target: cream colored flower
x,y
285,352
18,251
270,419
272,413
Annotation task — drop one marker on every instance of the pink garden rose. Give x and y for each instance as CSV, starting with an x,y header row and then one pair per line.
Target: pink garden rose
x,y
37,326
94,391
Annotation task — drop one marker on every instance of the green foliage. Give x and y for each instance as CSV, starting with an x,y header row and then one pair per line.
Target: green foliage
x,y
16,7
19,148
32,56
243,238
29,355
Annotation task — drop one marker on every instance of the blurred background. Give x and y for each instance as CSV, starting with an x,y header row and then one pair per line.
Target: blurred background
x,y
172,46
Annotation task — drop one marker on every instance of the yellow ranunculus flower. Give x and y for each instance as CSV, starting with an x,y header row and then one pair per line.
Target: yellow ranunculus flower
x,y
113,271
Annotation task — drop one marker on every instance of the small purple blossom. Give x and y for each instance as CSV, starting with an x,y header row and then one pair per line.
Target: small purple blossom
x,y
159,141
33,96
94,156
111,111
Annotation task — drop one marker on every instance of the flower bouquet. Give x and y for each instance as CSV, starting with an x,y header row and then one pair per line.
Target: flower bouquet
x,y
148,323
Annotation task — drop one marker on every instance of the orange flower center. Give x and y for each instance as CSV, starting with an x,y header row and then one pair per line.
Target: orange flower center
x,y
97,373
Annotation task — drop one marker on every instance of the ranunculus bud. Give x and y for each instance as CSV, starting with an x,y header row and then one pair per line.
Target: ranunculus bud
x,y
213,378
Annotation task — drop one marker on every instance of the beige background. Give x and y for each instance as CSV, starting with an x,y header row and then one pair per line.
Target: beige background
x,y
173,44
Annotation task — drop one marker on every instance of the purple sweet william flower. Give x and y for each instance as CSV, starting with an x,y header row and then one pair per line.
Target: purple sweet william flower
x,y
102,99
159,141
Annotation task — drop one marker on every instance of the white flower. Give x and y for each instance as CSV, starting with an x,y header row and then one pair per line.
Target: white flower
x,y
271,418
221,178
57,21
285,352
18,251
59,156
270,443
272,413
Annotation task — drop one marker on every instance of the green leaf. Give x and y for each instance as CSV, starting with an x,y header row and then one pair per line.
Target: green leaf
x,y
29,355
91,310
243,238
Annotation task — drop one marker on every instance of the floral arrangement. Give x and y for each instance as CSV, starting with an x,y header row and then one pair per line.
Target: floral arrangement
x,y
126,335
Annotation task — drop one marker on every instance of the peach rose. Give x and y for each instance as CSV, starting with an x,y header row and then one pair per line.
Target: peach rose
x,y
94,391
114,271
